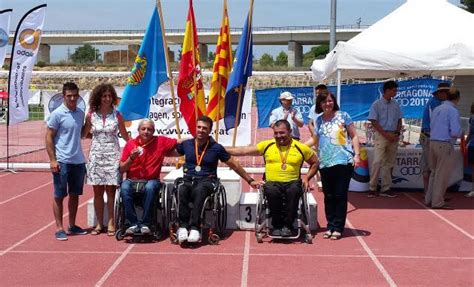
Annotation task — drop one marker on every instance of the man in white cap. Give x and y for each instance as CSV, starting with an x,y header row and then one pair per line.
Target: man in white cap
x,y
439,96
289,113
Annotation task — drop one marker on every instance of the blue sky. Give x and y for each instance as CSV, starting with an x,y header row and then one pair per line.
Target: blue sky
x,y
134,14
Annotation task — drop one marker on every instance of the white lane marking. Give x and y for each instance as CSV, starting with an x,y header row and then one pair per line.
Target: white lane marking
x,y
114,266
38,231
3,175
240,254
372,256
440,216
26,192
245,261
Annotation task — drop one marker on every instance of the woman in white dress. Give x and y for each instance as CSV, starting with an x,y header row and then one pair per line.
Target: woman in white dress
x,y
104,122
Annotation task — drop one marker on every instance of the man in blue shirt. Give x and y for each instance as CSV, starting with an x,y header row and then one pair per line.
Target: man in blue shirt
x,y
386,118
67,162
202,154
438,97
445,129
289,113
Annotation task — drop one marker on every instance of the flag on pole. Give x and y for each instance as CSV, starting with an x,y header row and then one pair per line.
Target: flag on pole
x,y
24,51
4,28
148,73
241,70
190,77
220,70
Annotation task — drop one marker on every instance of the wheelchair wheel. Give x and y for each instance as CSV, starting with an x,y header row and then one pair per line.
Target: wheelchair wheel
x,y
260,216
308,237
119,234
172,210
163,209
221,208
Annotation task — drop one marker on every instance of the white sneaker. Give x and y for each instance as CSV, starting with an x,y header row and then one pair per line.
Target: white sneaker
x,y
145,230
182,234
194,236
470,194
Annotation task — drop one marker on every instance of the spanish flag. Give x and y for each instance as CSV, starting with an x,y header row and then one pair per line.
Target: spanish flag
x,y
190,88
220,70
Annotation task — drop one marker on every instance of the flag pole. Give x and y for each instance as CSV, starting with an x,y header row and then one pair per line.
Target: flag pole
x,y
237,113
170,74
237,116
218,111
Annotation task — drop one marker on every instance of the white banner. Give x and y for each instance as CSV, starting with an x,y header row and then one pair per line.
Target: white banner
x,y
50,105
162,113
4,30
26,46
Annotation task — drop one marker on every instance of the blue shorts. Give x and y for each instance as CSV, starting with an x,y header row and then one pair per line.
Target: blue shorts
x,y
69,179
470,154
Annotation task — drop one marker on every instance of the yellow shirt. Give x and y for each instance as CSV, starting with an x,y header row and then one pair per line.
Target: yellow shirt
x,y
294,161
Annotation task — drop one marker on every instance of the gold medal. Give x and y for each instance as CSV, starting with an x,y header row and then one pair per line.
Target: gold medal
x,y
283,158
199,158
198,168
283,166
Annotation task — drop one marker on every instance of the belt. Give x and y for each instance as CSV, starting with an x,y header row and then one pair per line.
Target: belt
x,y
426,134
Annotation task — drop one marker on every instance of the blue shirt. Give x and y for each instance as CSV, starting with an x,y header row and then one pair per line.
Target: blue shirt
x,y
445,123
214,153
386,113
335,146
279,114
430,106
67,141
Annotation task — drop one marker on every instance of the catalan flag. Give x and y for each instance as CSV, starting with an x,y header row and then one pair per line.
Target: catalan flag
x,y
241,70
220,70
190,88
148,72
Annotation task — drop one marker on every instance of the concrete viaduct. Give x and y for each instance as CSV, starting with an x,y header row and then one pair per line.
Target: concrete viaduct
x,y
292,36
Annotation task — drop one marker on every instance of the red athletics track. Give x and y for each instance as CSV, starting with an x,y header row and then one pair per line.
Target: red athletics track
x,y
395,242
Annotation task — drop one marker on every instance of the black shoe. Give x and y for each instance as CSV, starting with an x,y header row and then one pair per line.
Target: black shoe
x,y
276,232
285,232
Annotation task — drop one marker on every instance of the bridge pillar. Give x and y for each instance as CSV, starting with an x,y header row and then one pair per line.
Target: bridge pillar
x,y
203,52
44,53
295,54
170,55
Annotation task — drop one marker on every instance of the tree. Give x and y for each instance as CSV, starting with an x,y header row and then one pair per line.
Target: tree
x,y
266,60
281,59
468,5
315,53
211,56
85,54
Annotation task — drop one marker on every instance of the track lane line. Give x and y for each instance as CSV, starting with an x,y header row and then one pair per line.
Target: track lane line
x,y
3,175
440,216
240,254
26,192
39,231
245,261
372,256
114,266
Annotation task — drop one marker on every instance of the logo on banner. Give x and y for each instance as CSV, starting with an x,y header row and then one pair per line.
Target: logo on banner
x,y
410,170
3,38
29,39
138,71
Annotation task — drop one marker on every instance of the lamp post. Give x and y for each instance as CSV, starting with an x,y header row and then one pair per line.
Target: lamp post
x,y
332,29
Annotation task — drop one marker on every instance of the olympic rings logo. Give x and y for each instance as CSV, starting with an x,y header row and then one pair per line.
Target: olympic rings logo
x,y
303,109
410,170
29,38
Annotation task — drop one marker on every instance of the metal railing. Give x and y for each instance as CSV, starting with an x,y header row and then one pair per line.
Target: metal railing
x,y
205,30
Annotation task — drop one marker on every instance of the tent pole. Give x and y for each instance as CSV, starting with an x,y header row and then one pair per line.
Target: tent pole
x,y
338,93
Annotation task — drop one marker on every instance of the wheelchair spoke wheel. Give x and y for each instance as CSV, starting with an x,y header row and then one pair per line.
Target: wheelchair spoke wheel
x,y
221,211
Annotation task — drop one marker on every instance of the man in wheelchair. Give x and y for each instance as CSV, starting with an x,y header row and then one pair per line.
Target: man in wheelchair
x,y
142,159
284,158
202,155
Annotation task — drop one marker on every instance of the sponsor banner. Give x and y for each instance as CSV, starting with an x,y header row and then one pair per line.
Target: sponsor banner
x,y
4,28
24,52
356,99
52,99
162,113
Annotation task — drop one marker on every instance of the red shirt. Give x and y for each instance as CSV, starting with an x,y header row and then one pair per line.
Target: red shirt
x,y
148,164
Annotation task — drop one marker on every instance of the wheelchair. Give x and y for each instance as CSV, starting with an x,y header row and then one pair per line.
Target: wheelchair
x,y
213,214
262,219
159,219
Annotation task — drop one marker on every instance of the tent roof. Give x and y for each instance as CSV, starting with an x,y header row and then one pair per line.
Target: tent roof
x,y
421,37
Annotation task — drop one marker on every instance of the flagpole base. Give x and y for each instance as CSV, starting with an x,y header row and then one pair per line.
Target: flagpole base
x,y
8,170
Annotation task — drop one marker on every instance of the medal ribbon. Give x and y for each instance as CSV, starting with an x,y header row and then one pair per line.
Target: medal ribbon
x,y
199,158
283,158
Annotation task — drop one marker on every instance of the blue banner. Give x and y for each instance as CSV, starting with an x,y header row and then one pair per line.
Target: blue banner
x,y
356,99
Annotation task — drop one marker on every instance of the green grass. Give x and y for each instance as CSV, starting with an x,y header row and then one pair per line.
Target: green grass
x,y
36,113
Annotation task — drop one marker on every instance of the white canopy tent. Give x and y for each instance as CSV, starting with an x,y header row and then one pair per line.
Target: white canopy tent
x,y
421,37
